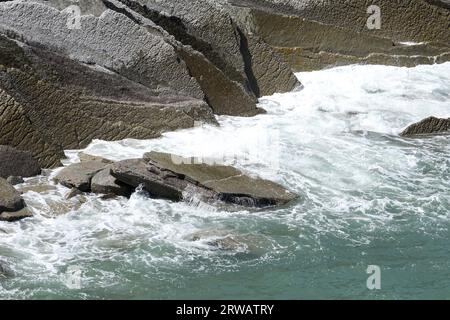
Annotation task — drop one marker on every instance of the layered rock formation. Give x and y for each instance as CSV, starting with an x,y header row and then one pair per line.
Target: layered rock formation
x,y
166,176
431,125
312,34
16,163
124,69
71,71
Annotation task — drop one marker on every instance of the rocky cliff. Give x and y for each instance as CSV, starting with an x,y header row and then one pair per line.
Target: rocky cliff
x,y
72,71
313,34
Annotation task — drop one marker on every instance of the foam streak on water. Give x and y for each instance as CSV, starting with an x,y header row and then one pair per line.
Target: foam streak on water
x,y
367,197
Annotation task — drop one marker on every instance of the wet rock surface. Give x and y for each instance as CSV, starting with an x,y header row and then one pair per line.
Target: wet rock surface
x,y
431,125
79,175
105,183
12,205
312,35
10,198
175,178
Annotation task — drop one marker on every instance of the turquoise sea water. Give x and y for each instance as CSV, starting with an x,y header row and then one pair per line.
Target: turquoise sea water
x,y
368,197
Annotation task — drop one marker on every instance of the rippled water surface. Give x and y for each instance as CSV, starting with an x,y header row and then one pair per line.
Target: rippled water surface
x,y
368,197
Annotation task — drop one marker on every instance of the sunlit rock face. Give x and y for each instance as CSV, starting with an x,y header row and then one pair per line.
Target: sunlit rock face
x,y
71,71
311,35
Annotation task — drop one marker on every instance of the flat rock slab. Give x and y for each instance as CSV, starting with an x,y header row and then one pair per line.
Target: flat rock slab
x,y
137,172
105,183
84,157
172,177
431,125
16,216
10,198
230,184
79,175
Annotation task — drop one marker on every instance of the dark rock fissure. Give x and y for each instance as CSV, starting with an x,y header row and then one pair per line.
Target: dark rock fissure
x,y
246,55
175,27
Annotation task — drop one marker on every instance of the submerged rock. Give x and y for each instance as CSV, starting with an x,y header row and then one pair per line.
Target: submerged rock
x,y
79,175
228,240
220,239
171,177
431,125
74,192
5,271
17,163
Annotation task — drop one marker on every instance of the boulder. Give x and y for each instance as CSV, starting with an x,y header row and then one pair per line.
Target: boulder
x,y
10,198
12,205
15,162
160,184
228,183
105,183
79,175
171,177
431,125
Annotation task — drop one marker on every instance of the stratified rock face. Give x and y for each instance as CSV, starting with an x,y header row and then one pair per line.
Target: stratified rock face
x,y
431,125
12,206
10,198
63,89
17,163
228,183
213,28
313,34
112,41
125,69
